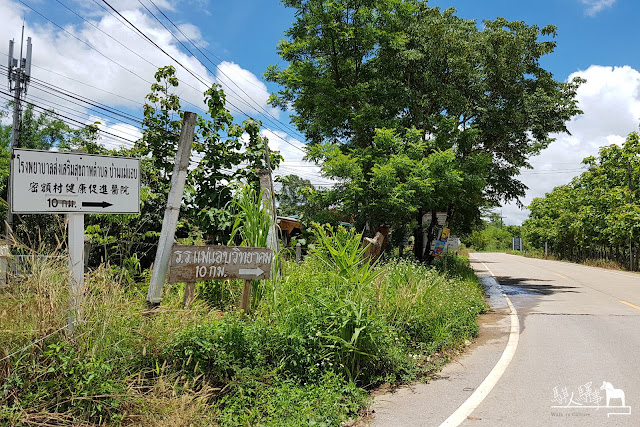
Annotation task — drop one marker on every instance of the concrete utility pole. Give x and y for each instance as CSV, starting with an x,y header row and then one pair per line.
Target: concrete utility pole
x,y
19,73
269,200
630,231
172,212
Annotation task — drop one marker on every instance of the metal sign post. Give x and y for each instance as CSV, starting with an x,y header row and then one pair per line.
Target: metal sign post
x,y
76,267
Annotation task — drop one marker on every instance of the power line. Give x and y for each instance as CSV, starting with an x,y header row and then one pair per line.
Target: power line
x,y
102,54
81,98
552,171
197,77
81,82
194,56
156,45
88,44
215,65
105,33
53,103
81,114
68,118
137,75
106,113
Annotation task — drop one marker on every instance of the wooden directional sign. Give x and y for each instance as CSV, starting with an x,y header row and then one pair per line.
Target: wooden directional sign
x,y
48,182
197,263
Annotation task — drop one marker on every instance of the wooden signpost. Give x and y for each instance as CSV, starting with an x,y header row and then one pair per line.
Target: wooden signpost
x,y
191,264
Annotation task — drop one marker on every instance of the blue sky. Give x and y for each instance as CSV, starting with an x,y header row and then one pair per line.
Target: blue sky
x,y
595,39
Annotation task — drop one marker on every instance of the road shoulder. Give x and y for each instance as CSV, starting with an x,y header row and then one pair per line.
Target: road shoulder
x,y
432,403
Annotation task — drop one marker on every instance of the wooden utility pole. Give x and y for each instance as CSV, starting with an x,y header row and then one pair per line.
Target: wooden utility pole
x,y
172,212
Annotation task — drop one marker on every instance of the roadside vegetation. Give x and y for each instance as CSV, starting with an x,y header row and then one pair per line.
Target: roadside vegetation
x,y
322,334
595,219
411,110
492,235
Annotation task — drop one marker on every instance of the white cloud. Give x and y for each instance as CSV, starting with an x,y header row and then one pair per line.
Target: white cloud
x,y
239,85
117,132
71,61
192,33
292,150
610,100
596,6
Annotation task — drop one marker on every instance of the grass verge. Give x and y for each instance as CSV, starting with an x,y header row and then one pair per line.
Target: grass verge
x,y
322,336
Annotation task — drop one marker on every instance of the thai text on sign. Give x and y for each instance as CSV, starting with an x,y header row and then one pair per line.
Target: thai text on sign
x,y
54,182
199,263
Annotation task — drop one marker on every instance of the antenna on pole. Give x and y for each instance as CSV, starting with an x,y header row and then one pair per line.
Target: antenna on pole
x,y
27,65
19,75
10,65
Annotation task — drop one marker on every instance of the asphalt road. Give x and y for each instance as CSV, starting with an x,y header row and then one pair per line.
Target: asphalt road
x,y
577,327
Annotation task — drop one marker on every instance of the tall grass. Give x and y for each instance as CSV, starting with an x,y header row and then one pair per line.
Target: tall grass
x,y
101,373
253,223
327,331
253,220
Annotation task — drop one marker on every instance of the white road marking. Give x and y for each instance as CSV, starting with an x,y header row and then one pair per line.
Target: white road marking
x,y
461,414
617,273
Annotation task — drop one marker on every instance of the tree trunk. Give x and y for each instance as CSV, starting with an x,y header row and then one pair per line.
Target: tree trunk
x,y
418,239
431,236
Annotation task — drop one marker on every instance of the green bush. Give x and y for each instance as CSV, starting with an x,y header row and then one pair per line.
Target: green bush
x,y
335,315
329,401
324,332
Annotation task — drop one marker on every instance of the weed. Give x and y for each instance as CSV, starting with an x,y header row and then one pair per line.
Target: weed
x,y
323,333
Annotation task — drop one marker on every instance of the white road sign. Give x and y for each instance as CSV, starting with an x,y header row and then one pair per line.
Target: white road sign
x,y
48,182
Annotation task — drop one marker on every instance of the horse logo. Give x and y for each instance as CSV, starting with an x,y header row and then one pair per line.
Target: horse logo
x,y
612,393
589,398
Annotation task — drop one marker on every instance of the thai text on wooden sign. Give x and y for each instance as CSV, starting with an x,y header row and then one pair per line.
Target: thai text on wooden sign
x,y
199,263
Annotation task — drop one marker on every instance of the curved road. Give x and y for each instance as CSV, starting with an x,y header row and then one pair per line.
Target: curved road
x,y
579,327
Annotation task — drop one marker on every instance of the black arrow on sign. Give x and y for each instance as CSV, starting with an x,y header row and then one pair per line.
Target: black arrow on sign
x,y
96,204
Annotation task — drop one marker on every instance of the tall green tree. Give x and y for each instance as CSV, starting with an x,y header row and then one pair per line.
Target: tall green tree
x,y
477,102
292,197
224,155
598,213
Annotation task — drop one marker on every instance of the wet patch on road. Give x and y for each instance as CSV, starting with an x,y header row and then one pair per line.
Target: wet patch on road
x,y
528,286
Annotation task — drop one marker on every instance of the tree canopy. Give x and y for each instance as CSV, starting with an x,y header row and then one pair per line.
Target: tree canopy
x,y
597,211
414,110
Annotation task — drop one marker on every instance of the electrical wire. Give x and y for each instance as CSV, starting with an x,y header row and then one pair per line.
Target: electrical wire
x,y
77,81
102,54
51,104
66,118
197,77
81,115
81,105
130,71
289,128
